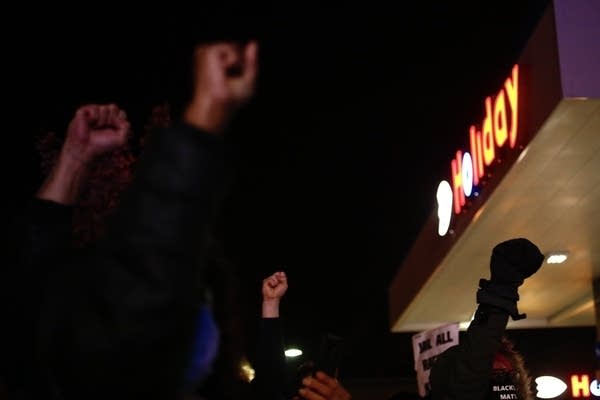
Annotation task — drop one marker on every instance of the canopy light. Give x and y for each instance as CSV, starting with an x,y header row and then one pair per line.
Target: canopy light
x,y
557,257
293,353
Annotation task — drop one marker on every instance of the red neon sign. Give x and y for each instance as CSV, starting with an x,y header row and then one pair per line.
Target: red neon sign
x,y
495,131
499,126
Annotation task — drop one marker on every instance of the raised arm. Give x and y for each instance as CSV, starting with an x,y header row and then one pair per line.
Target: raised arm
x,y
273,289
269,383
464,371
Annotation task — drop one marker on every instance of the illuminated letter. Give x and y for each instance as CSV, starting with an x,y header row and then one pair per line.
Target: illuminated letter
x,y
459,196
488,135
467,174
476,155
500,132
549,387
595,388
444,200
580,387
512,91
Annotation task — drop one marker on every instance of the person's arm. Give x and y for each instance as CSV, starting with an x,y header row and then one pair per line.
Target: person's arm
x,y
464,371
269,382
43,234
94,130
128,322
45,228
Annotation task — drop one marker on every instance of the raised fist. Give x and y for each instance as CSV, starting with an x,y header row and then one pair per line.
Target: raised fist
x,y
514,260
511,263
275,286
95,130
224,80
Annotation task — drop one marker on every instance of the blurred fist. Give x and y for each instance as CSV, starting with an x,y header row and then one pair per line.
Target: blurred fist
x,y
95,130
225,77
514,260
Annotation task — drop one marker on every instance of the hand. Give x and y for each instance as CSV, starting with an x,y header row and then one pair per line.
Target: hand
x,y
225,76
513,261
323,387
273,289
275,286
93,131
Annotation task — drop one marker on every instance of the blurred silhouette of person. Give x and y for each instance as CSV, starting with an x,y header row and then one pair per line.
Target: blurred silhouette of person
x,y
47,233
484,365
131,315
71,209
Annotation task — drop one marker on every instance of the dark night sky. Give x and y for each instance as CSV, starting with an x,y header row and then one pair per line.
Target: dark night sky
x,y
358,112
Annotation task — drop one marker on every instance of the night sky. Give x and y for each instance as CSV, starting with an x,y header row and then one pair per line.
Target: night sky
x,y
358,112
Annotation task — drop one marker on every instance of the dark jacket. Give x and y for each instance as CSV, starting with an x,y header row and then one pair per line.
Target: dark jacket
x,y
270,380
128,317
463,372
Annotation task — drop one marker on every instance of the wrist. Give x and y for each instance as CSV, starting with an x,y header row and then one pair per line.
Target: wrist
x,y
502,297
208,115
64,182
70,162
270,308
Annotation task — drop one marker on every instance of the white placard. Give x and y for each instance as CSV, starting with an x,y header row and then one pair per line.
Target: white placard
x,y
427,346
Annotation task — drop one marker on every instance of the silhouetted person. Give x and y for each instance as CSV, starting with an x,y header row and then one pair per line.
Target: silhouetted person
x,y
484,366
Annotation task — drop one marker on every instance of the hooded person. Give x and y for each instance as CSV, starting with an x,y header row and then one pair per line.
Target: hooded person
x,y
484,365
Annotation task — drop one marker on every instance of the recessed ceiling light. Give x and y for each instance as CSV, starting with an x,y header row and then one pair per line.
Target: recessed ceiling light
x,y
522,155
557,257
